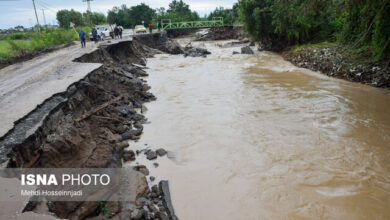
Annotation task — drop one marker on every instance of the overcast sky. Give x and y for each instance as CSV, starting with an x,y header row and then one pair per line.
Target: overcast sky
x,y
20,12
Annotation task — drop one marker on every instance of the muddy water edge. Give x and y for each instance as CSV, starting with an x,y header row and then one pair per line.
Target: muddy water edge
x,y
254,137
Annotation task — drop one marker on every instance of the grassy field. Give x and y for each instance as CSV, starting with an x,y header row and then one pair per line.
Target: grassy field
x,y
18,44
6,50
364,55
314,46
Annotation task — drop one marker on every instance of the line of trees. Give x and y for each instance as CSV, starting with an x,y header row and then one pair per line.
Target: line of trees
x,y
230,16
129,17
64,17
280,23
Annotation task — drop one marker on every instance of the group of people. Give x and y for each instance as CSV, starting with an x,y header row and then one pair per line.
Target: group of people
x,y
158,27
96,36
118,30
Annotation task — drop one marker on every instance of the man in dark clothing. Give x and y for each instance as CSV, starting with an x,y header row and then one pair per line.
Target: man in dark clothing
x,y
120,32
116,32
82,37
95,35
159,26
150,28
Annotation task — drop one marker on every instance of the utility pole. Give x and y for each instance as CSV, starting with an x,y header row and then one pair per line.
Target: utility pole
x,y
39,28
89,11
44,19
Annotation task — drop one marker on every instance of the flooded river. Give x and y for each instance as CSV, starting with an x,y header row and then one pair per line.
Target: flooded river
x,y
258,138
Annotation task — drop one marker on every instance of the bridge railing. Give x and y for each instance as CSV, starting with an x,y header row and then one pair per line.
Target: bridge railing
x,y
167,24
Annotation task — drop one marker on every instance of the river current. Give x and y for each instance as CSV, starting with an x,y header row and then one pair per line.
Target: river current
x,y
254,137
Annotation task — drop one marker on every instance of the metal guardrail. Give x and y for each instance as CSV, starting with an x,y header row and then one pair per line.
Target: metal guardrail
x,y
167,24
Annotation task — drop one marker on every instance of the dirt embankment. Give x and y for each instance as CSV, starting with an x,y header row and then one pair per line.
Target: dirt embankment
x,y
332,61
223,33
160,42
88,127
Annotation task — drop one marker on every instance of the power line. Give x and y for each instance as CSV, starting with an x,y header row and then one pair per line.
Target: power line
x,y
89,11
89,4
44,19
46,6
36,15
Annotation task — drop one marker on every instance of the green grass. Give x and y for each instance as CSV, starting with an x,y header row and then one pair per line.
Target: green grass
x,y
12,46
313,46
6,50
363,55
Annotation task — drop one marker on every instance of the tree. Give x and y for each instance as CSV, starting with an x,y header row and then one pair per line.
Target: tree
x,y
177,11
368,23
229,15
113,15
64,17
360,23
129,17
95,17
139,13
76,17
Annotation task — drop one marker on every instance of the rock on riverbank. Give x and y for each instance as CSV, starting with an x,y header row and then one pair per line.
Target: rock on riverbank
x,y
222,33
333,62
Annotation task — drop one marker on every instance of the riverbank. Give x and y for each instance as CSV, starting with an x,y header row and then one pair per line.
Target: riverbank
x,y
336,61
256,137
330,59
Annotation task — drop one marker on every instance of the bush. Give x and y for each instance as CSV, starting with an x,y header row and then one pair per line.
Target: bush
x,y
356,23
18,36
14,47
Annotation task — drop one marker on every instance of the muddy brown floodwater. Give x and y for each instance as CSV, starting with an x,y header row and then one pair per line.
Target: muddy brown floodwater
x,y
258,138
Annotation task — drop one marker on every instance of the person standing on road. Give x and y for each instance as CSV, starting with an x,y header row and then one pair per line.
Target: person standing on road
x,y
82,37
120,32
159,26
150,28
116,32
94,35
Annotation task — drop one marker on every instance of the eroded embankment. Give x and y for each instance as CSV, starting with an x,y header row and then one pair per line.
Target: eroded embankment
x,y
333,61
223,33
87,127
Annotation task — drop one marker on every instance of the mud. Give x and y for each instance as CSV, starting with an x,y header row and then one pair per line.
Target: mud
x,y
87,126
160,42
223,33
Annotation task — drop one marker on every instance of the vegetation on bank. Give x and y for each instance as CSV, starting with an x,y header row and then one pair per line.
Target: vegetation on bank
x,y
229,15
363,27
21,43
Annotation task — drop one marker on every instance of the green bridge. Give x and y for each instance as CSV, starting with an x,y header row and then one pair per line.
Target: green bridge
x,y
167,24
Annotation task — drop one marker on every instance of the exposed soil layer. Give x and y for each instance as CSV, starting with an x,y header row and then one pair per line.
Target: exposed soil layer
x,y
160,41
333,62
30,55
87,127
174,33
223,33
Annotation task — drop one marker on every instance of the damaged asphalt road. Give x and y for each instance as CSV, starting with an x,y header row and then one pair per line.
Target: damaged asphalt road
x,y
85,124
